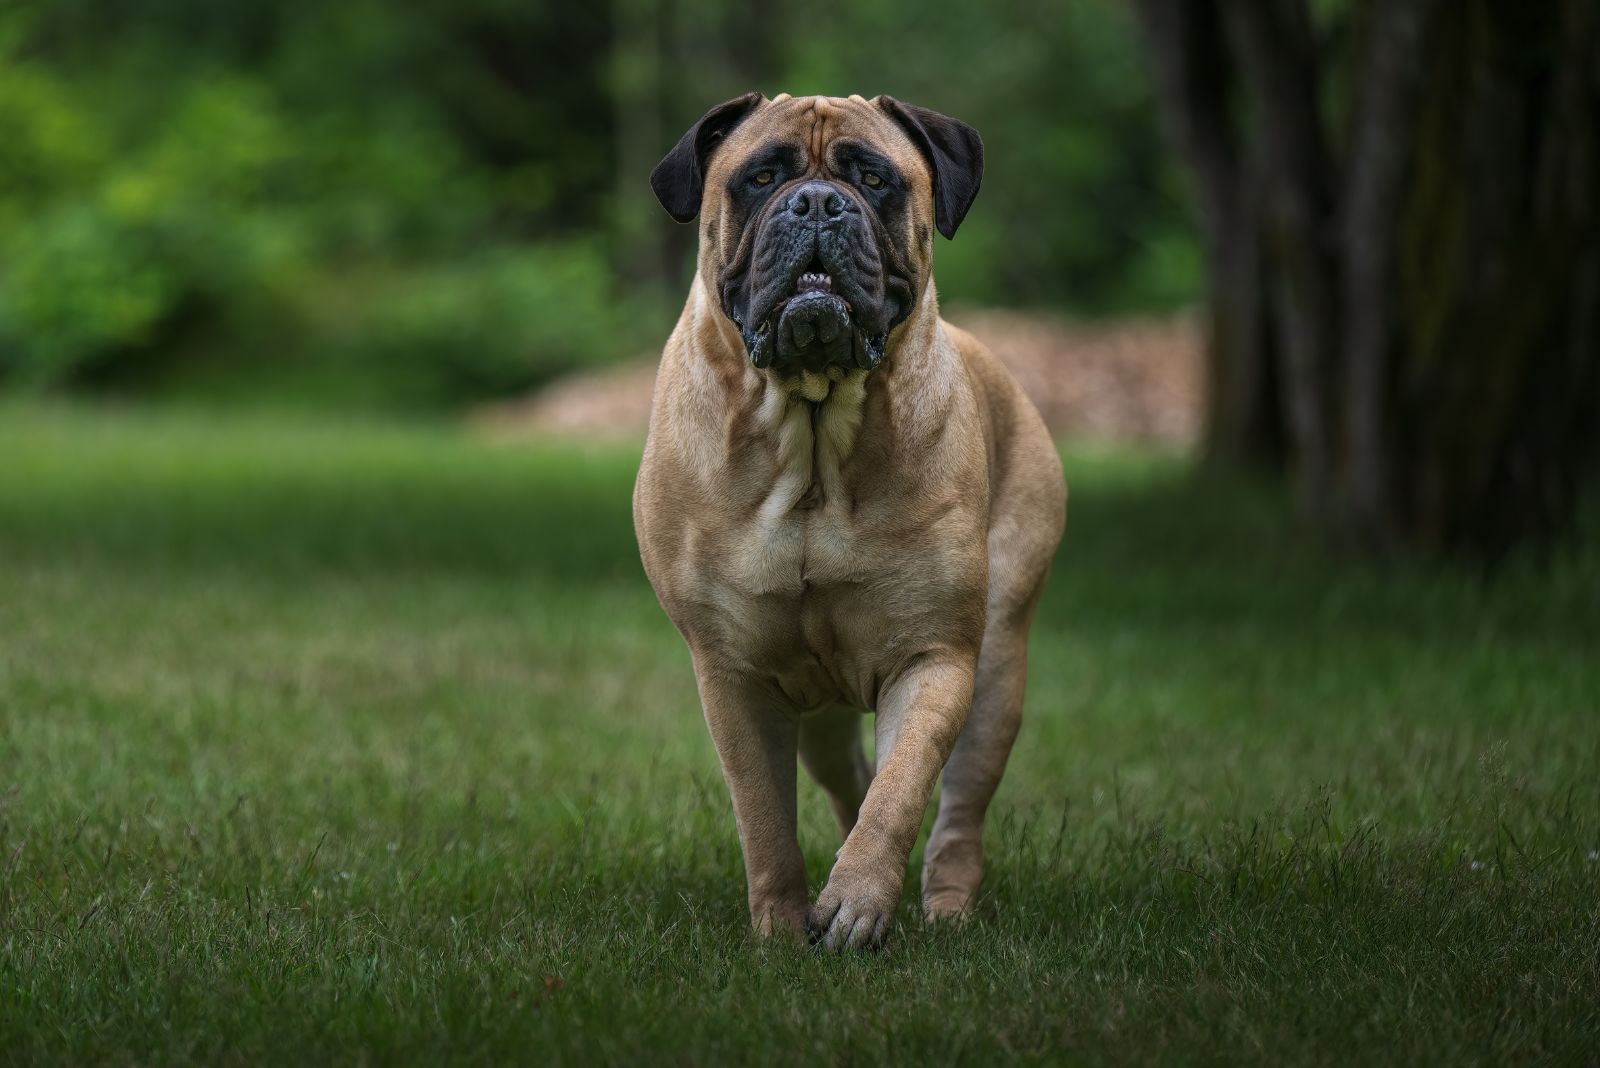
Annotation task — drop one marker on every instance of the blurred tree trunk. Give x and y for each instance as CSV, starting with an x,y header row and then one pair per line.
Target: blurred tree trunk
x,y
1399,210
1191,69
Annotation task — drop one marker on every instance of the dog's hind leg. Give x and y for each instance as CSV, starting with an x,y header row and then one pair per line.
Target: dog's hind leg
x,y
830,749
952,864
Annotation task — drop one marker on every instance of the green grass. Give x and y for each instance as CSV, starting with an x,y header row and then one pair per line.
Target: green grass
x,y
370,743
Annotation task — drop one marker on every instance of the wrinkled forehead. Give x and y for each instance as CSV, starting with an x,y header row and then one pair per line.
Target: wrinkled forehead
x,y
813,123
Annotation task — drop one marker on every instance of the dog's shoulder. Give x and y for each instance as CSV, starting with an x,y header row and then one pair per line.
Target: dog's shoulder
x,y
997,390
1025,473
1006,411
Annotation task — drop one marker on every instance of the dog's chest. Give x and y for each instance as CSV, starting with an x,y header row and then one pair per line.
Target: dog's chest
x,y
806,557
800,529
790,552
792,602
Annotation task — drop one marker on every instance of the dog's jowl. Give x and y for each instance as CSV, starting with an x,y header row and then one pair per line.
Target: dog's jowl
x,y
846,504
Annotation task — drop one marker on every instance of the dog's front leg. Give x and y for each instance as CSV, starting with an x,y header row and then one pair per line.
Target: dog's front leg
x,y
756,737
920,716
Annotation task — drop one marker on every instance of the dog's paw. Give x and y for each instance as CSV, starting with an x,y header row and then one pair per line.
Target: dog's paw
x,y
947,907
854,911
952,872
779,919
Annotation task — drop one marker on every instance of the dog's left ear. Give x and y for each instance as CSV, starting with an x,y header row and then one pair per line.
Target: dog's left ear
x,y
953,150
679,178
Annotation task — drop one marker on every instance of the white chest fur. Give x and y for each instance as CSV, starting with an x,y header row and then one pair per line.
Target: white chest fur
x,y
800,533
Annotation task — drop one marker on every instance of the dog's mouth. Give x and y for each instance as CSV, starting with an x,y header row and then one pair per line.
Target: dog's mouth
x,y
812,281
813,328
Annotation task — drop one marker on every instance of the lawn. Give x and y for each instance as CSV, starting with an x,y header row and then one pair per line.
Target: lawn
x,y
342,742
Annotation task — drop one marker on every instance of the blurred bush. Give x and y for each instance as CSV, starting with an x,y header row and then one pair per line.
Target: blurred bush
x,y
428,204
473,327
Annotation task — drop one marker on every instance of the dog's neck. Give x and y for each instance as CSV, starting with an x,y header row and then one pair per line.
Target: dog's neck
x,y
810,421
813,422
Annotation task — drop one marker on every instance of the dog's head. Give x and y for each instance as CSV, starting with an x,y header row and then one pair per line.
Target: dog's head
x,y
818,217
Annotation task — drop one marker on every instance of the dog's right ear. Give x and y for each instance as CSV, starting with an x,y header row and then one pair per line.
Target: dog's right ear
x,y
680,176
955,153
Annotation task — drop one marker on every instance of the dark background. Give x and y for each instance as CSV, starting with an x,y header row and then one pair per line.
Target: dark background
x,y
1387,211
418,205
334,727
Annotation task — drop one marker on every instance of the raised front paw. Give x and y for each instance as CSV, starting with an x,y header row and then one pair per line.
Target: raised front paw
x,y
856,908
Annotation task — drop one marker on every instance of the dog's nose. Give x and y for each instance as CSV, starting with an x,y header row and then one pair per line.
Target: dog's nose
x,y
818,200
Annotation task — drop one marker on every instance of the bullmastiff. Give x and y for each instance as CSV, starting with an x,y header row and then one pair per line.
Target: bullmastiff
x,y
846,504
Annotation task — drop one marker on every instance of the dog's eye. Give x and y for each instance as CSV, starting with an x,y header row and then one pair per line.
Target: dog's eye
x,y
871,180
762,177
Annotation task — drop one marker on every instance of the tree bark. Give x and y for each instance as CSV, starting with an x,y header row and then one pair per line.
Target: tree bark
x,y
1185,41
1278,65
1497,384
1432,277
1374,191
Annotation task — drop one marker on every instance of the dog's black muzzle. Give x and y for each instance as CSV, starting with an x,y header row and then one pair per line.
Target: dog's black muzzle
x,y
816,285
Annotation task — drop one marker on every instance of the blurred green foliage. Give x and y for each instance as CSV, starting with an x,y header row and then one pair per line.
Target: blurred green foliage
x,y
421,205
